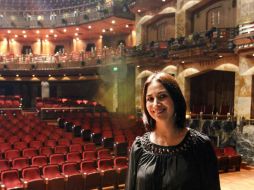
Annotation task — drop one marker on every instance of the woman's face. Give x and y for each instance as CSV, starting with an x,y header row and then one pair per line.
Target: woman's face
x,y
159,104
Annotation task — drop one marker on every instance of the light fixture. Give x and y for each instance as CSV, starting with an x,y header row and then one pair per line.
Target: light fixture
x,y
113,21
76,34
8,31
51,31
64,30
77,29
126,26
16,35
37,31
17,75
103,30
49,75
111,29
139,11
25,36
23,31
89,27
33,75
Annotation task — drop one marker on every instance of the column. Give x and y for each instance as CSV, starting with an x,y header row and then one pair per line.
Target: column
x,y
44,89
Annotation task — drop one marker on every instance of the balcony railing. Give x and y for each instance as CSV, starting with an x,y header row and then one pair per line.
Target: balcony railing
x,y
62,17
195,45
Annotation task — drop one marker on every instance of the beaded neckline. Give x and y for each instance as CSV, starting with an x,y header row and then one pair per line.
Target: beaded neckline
x,y
170,150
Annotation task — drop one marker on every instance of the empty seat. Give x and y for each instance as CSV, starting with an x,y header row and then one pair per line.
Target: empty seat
x,y
4,165
89,147
75,177
20,163
20,145
63,142
40,160
234,159
61,149
92,176
222,160
31,176
35,144
13,139
77,140
50,142
45,150
121,166
73,157
54,178
56,159
89,155
75,148
11,154
103,154
27,138
29,152
107,172
10,180
4,147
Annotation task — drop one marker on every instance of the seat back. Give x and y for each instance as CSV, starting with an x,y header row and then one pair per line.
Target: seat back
x,y
10,177
70,168
4,165
121,162
29,152
75,148
73,157
31,173
20,163
51,171
89,155
56,159
89,147
104,154
105,164
39,161
88,166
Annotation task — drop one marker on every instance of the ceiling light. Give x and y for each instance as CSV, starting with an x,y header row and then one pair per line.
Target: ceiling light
x,y
33,75
49,75
77,29
55,35
111,29
16,35
8,31
64,30
47,35
51,31
139,11
37,31
25,36
126,26
23,31
113,21
89,27
103,30
17,75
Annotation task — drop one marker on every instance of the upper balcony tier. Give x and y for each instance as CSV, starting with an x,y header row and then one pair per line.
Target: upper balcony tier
x,y
30,14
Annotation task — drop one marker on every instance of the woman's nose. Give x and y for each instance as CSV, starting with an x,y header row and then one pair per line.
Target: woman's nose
x,y
156,101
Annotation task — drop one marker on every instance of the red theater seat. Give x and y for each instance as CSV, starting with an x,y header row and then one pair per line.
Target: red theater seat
x,y
10,180
89,155
29,152
75,148
234,159
107,172
20,163
121,166
92,176
40,160
45,150
75,177
74,157
4,165
31,176
54,179
56,159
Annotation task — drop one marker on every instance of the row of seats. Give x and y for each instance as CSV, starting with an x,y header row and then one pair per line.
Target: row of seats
x,y
15,161
68,176
228,159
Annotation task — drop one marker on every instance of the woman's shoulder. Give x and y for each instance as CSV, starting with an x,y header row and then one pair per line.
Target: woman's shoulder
x,y
199,139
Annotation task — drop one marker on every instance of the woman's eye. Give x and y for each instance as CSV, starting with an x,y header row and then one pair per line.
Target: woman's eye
x,y
162,96
149,99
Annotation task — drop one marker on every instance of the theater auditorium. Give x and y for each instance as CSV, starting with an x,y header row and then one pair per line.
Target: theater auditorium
x,y
71,80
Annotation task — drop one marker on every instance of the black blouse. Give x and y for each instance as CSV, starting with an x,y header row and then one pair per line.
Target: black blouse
x,y
190,165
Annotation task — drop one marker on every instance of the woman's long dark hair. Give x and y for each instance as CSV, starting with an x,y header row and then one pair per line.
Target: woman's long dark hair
x,y
175,93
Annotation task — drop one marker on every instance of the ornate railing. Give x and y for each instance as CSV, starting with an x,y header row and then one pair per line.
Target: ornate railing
x,y
67,16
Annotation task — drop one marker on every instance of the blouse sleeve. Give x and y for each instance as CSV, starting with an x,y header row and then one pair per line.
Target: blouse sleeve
x,y
210,174
133,162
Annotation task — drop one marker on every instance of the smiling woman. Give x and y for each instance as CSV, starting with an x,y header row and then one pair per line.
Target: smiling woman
x,y
170,155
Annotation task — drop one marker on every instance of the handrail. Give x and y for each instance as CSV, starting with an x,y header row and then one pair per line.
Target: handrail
x,y
62,17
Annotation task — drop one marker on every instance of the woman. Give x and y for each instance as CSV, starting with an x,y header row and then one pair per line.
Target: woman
x,y
170,156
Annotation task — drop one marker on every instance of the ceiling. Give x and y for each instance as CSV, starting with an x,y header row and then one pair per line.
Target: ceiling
x,y
70,32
